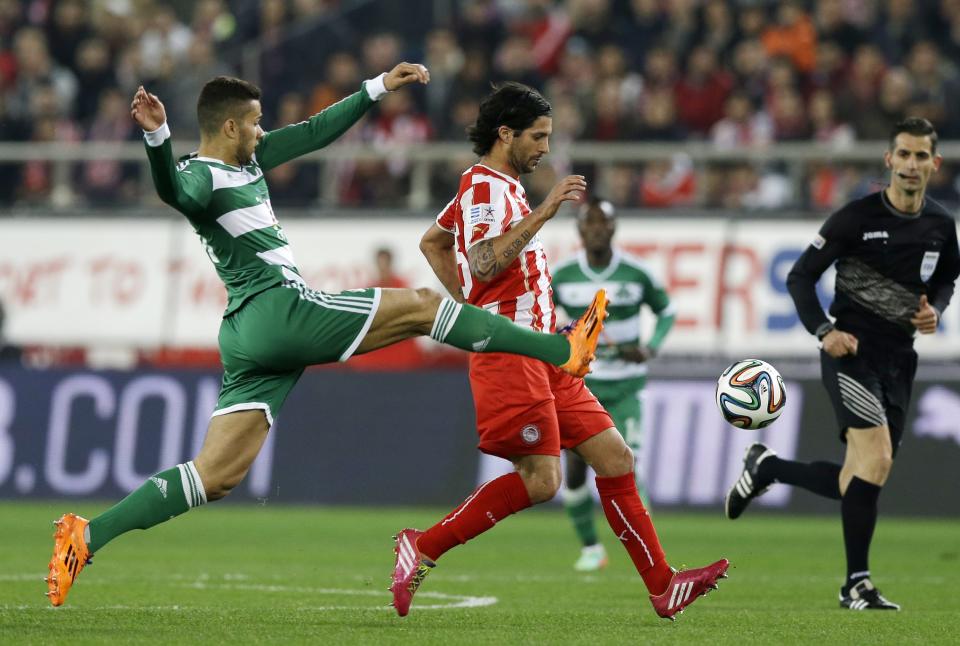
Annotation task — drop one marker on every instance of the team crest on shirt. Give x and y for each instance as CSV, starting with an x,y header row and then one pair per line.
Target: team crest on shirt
x,y
928,265
481,214
530,434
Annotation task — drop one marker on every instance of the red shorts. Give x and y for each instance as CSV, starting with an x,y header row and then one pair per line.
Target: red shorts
x,y
528,407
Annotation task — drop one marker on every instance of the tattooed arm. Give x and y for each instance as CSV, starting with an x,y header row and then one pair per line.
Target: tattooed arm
x,y
490,257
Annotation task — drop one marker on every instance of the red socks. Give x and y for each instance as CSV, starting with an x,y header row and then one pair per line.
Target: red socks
x,y
489,504
630,521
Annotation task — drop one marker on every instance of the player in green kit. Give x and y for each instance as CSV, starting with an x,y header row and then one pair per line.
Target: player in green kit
x,y
274,325
619,373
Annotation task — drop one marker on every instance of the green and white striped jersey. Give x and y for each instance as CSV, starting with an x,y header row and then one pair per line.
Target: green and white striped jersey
x,y
630,284
229,206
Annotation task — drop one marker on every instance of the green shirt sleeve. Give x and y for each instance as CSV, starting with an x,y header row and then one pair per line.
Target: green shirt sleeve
x,y
186,189
279,146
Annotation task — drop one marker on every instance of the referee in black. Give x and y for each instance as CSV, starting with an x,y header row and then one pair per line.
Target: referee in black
x,y
897,261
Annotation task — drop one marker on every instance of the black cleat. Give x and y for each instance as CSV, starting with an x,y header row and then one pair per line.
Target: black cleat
x,y
747,487
863,596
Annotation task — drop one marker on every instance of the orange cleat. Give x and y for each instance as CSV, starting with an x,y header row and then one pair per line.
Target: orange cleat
x,y
584,336
70,555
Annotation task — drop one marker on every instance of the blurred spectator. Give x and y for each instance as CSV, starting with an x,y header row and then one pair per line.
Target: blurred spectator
x,y
295,183
872,121
668,183
184,87
660,69
67,30
164,36
590,21
899,27
718,29
658,118
825,126
640,29
479,27
829,70
860,91
386,275
547,25
513,62
619,182
702,91
789,116
681,28
95,73
750,69
741,126
793,36
750,189
106,181
9,353
609,119
342,78
35,69
49,125
936,91
832,26
444,59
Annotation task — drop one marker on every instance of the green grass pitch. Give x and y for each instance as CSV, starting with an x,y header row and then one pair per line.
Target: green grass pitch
x,y
293,575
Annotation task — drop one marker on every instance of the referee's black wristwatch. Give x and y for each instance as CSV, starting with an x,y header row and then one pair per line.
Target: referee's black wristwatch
x,y
824,330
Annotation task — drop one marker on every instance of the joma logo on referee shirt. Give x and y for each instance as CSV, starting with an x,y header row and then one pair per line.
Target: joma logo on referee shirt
x,y
875,235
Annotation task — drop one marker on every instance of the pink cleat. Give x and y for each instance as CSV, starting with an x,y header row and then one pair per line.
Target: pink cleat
x,y
686,586
411,569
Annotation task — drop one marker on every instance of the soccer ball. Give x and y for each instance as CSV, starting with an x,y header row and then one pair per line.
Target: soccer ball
x,y
750,394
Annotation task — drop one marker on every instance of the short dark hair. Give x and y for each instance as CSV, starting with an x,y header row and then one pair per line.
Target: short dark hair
x,y
916,126
511,104
222,98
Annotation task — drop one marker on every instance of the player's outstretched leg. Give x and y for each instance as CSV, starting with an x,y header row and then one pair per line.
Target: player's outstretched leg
x,y
749,485
70,555
404,313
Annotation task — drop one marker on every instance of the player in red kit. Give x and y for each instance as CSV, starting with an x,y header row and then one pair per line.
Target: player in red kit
x,y
486,251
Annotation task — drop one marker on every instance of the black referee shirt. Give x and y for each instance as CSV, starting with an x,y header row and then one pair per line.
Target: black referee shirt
x,y
885,260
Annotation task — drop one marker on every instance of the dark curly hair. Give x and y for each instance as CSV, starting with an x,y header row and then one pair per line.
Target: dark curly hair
x,y
511,104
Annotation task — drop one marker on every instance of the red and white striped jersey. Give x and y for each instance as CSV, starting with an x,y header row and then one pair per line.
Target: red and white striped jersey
x,y
487,205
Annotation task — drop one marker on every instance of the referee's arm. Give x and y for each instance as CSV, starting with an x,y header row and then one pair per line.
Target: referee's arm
x,y
803,276
941,285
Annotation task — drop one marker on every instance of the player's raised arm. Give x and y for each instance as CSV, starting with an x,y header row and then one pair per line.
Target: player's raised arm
x,y
281,145
187,192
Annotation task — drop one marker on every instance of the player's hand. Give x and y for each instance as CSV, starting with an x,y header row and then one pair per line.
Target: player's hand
x,y
925,318
569,189
147,110
404,74
839,344
635,353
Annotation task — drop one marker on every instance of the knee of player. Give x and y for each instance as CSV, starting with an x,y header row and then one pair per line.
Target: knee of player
x,y
220,487
429,299
880,465
543,485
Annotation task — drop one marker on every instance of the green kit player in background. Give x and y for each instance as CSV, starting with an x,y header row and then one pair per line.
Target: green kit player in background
x,y
274,325
619,374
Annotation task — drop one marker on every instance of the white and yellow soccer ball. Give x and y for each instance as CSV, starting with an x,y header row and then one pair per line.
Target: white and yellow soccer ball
x,y
750,394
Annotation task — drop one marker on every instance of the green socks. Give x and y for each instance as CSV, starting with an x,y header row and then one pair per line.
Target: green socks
x,y
579,506
474,329
160,498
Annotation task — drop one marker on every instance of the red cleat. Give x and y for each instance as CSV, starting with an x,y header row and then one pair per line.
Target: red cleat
x,y
411,569
686,586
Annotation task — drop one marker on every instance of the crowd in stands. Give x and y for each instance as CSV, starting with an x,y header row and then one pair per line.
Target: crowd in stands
x,y
734,73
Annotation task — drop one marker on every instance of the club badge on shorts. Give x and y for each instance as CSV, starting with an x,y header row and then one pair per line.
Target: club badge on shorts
x,y
530,434
929,265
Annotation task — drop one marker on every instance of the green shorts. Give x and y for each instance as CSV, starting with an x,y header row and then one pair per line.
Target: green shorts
x,y
622,399
267,343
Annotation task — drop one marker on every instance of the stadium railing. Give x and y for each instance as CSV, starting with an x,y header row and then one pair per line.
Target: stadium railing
x,y
422,161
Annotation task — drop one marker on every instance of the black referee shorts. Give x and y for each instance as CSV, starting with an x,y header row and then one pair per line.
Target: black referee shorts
x,y
871,388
